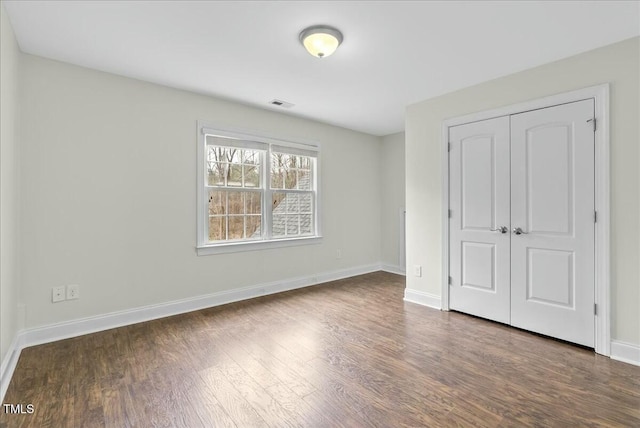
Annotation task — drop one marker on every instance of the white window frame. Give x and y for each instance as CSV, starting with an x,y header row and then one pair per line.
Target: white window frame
x,y
203,246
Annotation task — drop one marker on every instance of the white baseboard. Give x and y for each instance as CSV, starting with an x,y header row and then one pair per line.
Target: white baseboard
x,y
422,298
393,269
625,352
9,365
79,327
35,336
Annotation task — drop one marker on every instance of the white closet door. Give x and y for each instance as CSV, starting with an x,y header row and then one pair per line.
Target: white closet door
x,y
552,201
479,202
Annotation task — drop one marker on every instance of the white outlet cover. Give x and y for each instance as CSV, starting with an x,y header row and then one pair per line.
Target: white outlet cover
x,y
58,294
417,270
73,291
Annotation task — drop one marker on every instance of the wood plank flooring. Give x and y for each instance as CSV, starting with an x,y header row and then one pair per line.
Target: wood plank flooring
x,y
349,353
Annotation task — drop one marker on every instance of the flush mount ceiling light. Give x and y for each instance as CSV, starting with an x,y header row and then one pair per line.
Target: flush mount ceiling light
x,y
321,40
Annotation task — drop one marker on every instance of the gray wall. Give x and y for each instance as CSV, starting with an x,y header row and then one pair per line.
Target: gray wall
x,y
9,190
109,194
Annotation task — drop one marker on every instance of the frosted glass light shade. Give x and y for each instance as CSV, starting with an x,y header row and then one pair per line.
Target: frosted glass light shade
x,y
320,40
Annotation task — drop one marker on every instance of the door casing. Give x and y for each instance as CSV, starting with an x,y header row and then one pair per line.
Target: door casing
x,y
600,94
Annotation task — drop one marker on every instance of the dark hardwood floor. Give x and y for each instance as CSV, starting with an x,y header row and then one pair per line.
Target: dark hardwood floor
x,y
349,353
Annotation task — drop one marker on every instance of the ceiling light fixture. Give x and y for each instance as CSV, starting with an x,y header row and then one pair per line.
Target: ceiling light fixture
x,y
321,40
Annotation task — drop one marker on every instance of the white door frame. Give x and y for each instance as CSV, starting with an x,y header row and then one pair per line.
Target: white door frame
x,y
600,94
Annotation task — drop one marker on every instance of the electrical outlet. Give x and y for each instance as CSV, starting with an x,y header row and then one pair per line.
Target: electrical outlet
x,y
338,254
58,294
417,270
73,291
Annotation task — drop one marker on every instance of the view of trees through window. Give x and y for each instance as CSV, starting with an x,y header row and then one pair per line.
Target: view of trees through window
x,y
235,194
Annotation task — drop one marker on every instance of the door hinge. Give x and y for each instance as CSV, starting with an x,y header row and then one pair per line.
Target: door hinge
x,y
449,280
449,213
595,216
594,122
449,146
595,309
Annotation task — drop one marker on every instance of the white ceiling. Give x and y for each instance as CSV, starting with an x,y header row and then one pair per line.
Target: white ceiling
x,y
395,53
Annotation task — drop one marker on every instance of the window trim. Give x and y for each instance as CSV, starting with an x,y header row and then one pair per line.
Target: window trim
x,y
203,247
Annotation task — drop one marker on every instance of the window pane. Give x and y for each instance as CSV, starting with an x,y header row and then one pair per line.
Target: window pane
x,y
292,225
306,225
306,205
216,154
234,179
233,155
277,160
305,162
277,179
290,179
286,220
291,161
283,173
217,202
217,229
304,180
253,226
236,202
236,227
251,157
253,203
251,176
291,172
291,200
277,204
244,219
278,225
216,173
233,167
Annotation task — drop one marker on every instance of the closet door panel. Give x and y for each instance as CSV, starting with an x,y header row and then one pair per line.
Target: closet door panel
x,y
552,201
479,202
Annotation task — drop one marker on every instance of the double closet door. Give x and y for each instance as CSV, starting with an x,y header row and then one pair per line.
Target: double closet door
x,y
522,220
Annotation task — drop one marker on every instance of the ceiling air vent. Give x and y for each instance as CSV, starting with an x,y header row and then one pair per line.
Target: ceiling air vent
x,y
280,103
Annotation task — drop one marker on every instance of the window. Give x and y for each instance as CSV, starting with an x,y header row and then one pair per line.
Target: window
x,y
292,195
255,192
234,192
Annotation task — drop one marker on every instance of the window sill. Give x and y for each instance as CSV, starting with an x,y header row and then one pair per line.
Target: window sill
x,y
239,247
